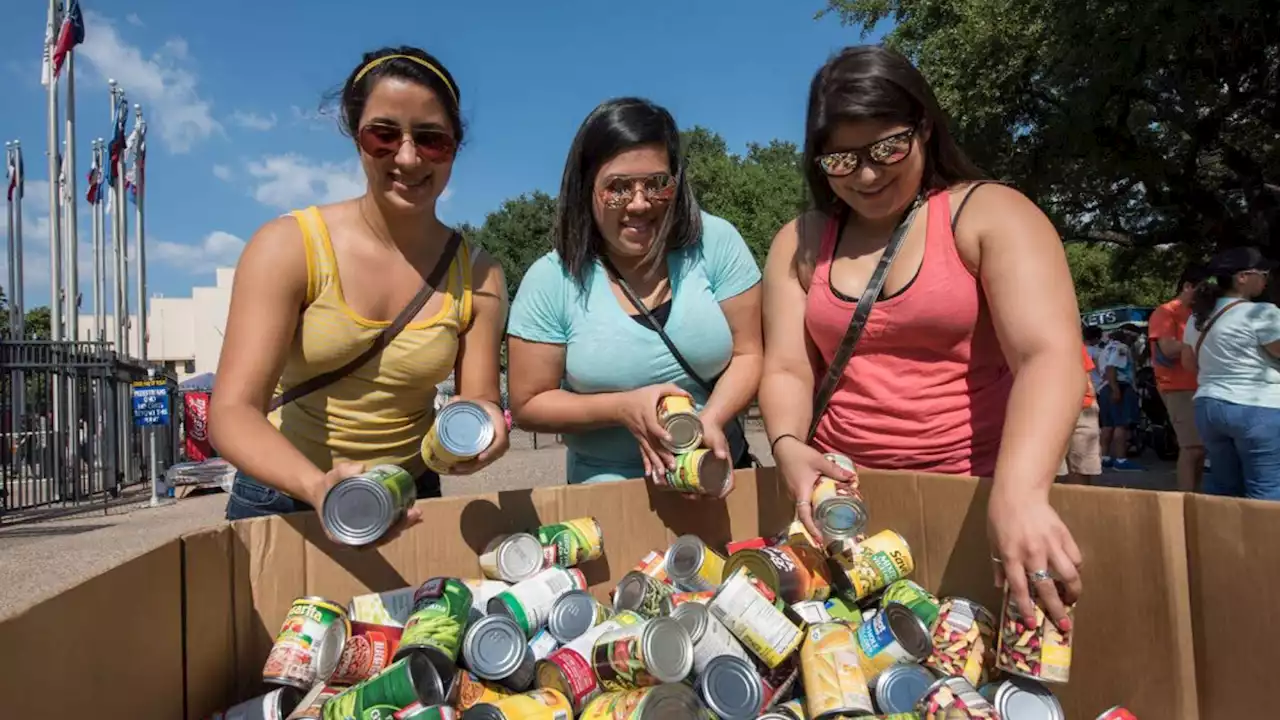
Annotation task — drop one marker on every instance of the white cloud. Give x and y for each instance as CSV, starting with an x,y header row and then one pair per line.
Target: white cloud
x,y
217,249
222,172
134,20
313,119
252,120
288,181
163,82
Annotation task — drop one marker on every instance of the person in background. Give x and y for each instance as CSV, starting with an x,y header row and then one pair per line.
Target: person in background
x,y
584,360
1177,383
313,289
1233,343
1083,460
968,361
1093,346
1118,407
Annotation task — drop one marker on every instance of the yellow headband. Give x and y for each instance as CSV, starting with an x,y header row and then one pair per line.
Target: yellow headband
x,y
375,63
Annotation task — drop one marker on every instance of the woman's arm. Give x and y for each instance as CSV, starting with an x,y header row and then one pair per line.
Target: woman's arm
x,y
738,384
537,401
477,369
267,296
787,383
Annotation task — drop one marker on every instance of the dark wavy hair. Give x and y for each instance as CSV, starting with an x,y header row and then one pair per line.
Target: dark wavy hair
x,y
613,127
870,82
351,97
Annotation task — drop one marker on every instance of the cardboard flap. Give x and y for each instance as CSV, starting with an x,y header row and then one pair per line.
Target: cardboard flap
x,y
209,622
268,557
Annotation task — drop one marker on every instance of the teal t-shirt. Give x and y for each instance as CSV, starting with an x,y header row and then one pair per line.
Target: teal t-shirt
x,y
606,350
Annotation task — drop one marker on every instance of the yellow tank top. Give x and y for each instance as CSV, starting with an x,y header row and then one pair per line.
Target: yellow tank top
x,y
380,412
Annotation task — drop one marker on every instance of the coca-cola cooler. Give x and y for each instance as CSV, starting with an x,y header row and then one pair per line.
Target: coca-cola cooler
x,y
195,418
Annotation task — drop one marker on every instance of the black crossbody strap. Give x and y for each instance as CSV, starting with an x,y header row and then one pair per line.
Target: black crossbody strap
x,y
859,319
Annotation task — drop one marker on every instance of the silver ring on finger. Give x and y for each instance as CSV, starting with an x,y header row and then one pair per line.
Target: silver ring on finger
x,y
1040,576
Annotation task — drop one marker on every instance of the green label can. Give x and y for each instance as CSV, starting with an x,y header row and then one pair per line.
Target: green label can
x,y
922,602
441,608
571,542
409,680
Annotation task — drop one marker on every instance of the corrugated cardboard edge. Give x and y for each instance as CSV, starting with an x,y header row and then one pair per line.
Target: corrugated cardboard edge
x,y
208,622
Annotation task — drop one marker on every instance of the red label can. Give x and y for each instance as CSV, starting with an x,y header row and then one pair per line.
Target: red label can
x,y
570,673
369,651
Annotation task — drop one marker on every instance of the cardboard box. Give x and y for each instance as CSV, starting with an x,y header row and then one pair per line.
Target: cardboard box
x,y
1175,623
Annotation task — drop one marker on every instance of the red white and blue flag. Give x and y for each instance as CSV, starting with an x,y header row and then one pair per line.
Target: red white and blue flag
x,y
70,35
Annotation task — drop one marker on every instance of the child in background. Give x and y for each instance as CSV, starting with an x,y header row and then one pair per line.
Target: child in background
x,y
1117,400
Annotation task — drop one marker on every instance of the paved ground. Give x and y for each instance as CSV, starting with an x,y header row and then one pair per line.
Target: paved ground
x,y
40,559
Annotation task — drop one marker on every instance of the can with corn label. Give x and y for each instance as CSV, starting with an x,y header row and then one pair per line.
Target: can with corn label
x,y
1034,647
753,618
954,697
891,636
872,564
529,602
512,558
654,652
361,509
672,701
678,417
309,644
694,566
700,472
572,542
964,641
462,430
406,681
540,704
834,684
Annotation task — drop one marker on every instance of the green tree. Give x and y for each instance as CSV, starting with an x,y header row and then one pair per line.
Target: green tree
x,y
518,233
1106,275
37,323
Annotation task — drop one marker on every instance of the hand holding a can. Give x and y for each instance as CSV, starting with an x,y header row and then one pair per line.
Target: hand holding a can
x,y
497,447
341,471
801,466
1034,551
637,410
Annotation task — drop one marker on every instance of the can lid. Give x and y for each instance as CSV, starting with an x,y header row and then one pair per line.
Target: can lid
x,y
684,557
842,517
758,564
358,511
909,630
464,428
667,649
495,647
715,474
1026,699
900,687
426,679
572,614
731,688
629,595
694,617
520,557
329,650
686,431
549,674
672,701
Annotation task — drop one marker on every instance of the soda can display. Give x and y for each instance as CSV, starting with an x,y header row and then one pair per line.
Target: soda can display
x,y
699,472
369,650
309,645
677,415
922,602
795,574
675,600
571,542
410,679
964,641
512,558
641,593
954,697
752,618
361,509
893,635
656,651
275,705
711,639
468,689
900,687
529,602
672,701
692,565
495,649
834,684
1033,647
866,567
462,430
540,704
574,613
730,688
441,610
1022,699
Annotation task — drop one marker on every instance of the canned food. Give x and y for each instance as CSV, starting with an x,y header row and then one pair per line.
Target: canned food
x,y
572,542
1117,713
275,705
361,509
1033,647
311,707
641,593
529,602
694,566
675,600
842,610
569,669
574,613
482,591
730,688
309,644
543,644
834,684
462,430
711,639
790,710
699,472
964,641
892,636
873,564
512,558
541,704
418,711
795,574
900,687
654,652
1022,699
838,508
410,679
391,608
496,649
672,701
954,697
369,650
779,681
678,417
654,564
441,610
752,618
809,612
922,602
750,544
468,690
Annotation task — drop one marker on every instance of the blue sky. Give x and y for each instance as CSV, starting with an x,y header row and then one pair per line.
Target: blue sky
x,y
231,91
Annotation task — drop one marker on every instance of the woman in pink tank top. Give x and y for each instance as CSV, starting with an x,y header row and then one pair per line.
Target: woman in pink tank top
x,y
968,360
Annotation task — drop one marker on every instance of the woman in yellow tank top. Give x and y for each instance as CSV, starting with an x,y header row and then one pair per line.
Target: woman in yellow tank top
x,y
314,288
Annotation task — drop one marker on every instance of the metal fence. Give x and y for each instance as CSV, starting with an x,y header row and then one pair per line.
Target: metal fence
x,y
67,424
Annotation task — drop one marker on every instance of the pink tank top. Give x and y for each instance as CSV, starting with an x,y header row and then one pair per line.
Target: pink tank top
x,y
927,385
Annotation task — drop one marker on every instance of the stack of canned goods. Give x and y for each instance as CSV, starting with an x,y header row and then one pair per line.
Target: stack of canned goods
x,y
698,470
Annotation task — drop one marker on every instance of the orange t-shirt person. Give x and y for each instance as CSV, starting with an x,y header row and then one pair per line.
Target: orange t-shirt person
x,y
1088,384
1169,321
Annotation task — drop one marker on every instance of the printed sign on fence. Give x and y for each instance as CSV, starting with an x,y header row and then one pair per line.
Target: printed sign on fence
x,y
150,403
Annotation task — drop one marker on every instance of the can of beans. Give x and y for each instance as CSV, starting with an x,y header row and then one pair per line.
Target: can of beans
x,y
752,617
922,602
964,641
954,697
311,707
1117,713
496,649
275,705
834,684
1022,699
529,602
795,573
441,610
694,566
865,567
700,472
418,711
569,669
678,417
675,600
641,593
574,613
730,688
361,509
654,652
900,687
309,644
468,689
410,679
369,650
462,430
1033,647
711,639
540,704
892,636
572,542
672,701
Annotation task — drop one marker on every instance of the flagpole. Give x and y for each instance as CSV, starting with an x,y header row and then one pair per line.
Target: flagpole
x,y
120,298
11,164
96,215
18,301
55,254
73,227
139,166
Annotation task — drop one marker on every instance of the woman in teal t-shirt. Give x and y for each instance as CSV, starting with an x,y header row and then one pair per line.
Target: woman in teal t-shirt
x,y
584,362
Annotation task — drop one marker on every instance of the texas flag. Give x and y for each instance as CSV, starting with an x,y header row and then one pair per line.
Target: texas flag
x,y
71,34
15,175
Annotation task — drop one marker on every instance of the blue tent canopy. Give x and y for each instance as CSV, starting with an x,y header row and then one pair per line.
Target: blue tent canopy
x,y
1114,317
203,381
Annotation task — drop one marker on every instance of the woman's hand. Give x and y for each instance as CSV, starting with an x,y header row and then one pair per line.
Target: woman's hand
x,y
713,436
1027,536
501,440
637,411
341,471
801,466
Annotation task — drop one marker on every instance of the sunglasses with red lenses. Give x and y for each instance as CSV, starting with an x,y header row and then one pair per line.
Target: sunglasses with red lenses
x,y
618,191
381,140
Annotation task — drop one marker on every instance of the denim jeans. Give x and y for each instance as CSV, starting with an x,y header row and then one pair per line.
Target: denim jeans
x,y
1243,444
250,498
